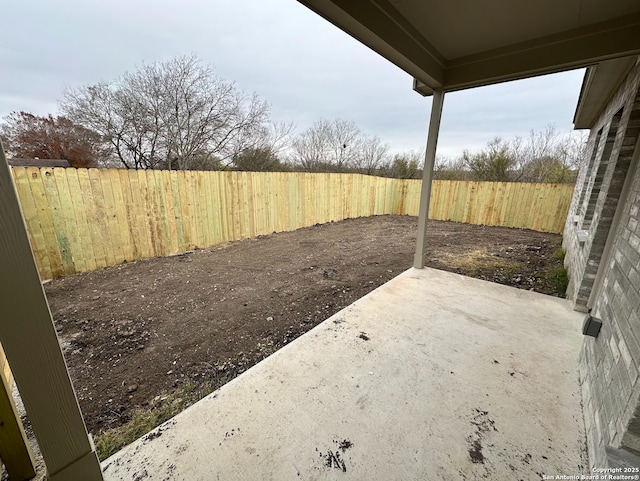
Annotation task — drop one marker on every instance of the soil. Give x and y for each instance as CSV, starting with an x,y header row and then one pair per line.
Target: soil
x,y
135,333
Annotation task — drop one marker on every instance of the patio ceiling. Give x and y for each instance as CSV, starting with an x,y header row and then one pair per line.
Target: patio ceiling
x,y
452,45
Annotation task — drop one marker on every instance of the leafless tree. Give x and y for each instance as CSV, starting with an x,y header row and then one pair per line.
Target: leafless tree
x,y
309,148
373,155
273,138
168,114
550,155
337,145
546,155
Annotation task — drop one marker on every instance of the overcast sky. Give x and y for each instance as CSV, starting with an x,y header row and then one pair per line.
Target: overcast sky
x,y
302,65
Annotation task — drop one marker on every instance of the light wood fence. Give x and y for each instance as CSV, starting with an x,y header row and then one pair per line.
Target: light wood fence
x,y
85,219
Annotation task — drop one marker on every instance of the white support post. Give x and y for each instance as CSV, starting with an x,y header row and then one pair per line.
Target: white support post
x,y
29,339
427,176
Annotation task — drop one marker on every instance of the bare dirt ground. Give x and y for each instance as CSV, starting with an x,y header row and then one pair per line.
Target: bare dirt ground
x,y
136,334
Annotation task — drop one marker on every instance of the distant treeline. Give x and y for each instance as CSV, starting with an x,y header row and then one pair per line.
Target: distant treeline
x,y
179,115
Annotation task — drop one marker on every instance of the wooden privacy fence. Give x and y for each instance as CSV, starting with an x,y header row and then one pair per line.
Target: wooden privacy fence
x,y
85,219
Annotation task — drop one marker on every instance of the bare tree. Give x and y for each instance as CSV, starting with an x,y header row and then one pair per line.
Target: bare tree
x,y
169,114
546,155
263,149
273,138
550,156
309,148
100,108
373,155
344,146
337,145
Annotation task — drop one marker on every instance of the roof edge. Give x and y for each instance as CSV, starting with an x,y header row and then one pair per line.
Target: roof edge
x,y
600,83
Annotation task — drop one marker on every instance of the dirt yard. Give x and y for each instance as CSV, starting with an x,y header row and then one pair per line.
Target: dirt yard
x,y
145,339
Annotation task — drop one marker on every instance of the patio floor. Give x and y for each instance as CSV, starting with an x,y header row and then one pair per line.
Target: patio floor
x,y
431,376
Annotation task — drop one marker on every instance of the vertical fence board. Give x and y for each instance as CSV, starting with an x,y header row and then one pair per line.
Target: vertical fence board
x,y
136,213
233,200
248,207
256,202
186,210
242,208
158,212
83,220
196,219
165,214
94,216
271,187
45,218
120,214
310,200
129,213
329,197
518,214
302,201
145,215
190,210
264,202
59,224
496,210
277,208
332,195
101,221
70,238
509,203
413,192
223,210
211,210
292,200
238,211
30,213
201,210
173,193
111,218
201,202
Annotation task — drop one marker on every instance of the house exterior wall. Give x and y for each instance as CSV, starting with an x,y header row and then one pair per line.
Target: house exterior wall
x,y
609,364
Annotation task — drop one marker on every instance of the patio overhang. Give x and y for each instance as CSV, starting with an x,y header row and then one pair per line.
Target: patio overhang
x,y
452,46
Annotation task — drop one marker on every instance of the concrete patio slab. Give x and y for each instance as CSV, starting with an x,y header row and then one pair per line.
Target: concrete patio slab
x,y
433,376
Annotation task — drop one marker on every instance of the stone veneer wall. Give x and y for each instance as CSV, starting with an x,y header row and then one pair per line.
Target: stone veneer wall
x,y
609,364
